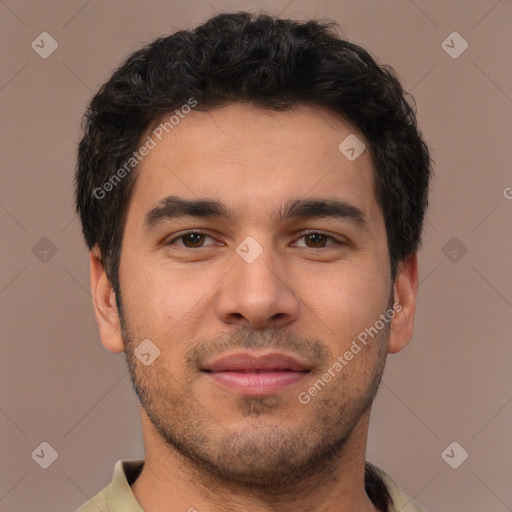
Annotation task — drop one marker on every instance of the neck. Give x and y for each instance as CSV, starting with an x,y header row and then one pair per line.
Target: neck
x,y
170,478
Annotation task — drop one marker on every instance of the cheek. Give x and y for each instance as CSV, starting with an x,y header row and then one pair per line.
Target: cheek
x,y
345,303
163,303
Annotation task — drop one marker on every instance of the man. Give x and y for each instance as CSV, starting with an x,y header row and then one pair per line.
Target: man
x,y
252,193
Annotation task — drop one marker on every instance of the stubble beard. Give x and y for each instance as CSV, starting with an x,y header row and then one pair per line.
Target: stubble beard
x,y
268,457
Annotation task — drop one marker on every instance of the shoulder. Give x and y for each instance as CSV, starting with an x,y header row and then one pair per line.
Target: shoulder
x,y
97,504
117,495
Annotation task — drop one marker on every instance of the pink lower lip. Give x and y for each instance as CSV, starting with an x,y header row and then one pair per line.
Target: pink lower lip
x,y
265,383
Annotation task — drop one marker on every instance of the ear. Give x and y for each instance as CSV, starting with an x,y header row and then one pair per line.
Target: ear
x,y
405,292
104,302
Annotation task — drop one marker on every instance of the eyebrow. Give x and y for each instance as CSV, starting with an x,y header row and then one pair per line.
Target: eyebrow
x,y
173,207
321,208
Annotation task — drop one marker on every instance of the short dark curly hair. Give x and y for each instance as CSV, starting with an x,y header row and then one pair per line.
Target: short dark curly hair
x,y
270,62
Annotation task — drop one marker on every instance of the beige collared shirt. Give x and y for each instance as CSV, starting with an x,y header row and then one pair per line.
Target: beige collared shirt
x,y
118,496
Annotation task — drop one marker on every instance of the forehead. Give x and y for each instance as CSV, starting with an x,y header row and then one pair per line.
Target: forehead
x,y
254,159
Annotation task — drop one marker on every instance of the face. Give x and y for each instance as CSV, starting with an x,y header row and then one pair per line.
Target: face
x,y
250,234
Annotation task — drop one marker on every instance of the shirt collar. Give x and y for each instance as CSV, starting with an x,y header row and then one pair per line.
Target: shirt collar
x,y
120,497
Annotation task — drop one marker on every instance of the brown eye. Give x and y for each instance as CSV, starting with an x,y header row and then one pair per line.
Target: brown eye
x,y
315,240
193,239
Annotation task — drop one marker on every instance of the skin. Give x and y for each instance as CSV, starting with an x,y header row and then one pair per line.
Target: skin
x,y
208,447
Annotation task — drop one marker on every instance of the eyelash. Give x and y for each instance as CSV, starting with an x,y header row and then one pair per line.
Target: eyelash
x,y
328,237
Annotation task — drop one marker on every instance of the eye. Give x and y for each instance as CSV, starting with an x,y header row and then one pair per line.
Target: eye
x,y
197,239
315,240
191,240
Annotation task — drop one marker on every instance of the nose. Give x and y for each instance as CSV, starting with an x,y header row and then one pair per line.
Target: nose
x,y
258,294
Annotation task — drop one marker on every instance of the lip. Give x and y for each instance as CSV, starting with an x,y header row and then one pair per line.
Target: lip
x,y
253,373
252,361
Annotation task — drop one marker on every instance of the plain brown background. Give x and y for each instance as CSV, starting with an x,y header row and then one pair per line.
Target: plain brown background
x,y
452,383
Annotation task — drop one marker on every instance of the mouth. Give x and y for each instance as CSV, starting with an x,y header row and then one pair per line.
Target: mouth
x,y
252,373
260,383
